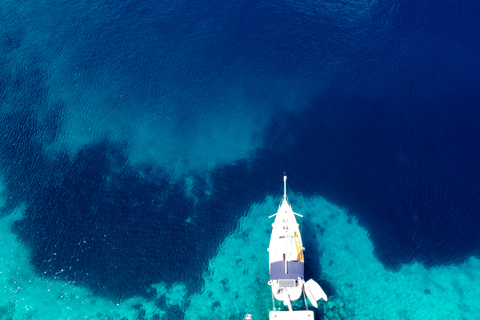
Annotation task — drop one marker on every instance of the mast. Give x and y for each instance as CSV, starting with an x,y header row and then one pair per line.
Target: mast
x,y
284,187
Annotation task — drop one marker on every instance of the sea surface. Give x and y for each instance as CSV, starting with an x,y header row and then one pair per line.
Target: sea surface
x,y
143,146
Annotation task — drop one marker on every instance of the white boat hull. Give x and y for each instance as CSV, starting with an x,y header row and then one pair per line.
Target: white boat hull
x,y
286,255
286,262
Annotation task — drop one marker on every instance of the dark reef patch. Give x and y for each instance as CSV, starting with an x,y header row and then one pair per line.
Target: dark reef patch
x,y
96,219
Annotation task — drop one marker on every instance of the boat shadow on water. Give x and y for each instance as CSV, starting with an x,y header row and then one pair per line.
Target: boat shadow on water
x,y
311,231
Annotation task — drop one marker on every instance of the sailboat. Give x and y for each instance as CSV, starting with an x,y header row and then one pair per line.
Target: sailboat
x,y
286,259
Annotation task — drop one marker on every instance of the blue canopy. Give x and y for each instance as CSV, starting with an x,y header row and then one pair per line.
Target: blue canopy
x,y
277,270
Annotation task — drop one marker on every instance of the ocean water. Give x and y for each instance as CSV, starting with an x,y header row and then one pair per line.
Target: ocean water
x,y
143,144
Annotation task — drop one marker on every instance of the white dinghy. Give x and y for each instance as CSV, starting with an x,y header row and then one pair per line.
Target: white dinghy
x,y
314,292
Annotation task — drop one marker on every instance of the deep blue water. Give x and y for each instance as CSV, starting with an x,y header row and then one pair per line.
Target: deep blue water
x,y
373,105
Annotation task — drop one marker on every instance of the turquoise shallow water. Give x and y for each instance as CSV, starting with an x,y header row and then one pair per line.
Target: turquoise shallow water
x,y
235,280
142,146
